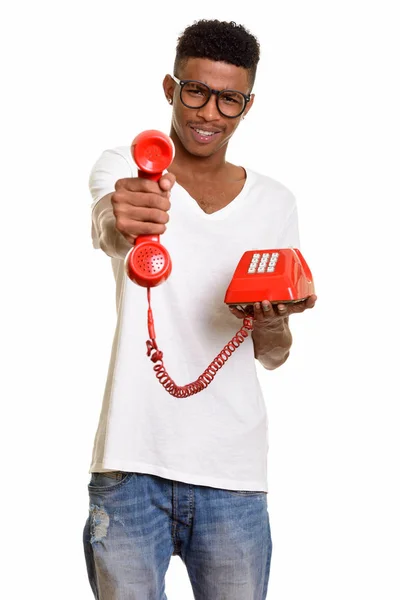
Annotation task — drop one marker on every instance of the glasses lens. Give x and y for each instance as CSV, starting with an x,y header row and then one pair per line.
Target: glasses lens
x,y
231,103
194,94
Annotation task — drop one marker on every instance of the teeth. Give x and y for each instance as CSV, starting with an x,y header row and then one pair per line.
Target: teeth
x,y
204,132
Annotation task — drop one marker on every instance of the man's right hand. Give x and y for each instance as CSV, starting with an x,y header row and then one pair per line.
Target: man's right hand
x,y
141,206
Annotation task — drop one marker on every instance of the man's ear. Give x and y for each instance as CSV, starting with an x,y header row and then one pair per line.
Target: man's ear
x,y
249,105
169,88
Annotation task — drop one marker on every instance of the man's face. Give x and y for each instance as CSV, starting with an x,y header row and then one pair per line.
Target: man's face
x,y
203,131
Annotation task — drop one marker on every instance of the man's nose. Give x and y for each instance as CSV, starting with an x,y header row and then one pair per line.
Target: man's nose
x,y
209,112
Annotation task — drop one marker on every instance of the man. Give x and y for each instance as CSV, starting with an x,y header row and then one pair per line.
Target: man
x,y
188,476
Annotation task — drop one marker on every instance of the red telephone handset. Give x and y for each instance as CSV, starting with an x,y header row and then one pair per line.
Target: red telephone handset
x,y
280,275
148,263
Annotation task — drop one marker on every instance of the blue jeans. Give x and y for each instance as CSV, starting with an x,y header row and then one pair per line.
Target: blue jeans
x,y
137,522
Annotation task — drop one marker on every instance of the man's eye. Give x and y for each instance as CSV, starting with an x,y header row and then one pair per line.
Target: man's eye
x,y
230,99
195,92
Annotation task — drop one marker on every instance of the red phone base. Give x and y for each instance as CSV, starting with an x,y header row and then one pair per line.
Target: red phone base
x,y
278,275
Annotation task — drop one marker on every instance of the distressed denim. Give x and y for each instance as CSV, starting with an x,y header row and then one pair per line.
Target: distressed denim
x,y
137,522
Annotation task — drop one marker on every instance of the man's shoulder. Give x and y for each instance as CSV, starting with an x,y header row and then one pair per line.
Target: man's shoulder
x,y
270,192
118,153
266,182
113,164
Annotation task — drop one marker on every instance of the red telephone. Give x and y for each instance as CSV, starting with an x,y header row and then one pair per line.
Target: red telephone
x,y
279,275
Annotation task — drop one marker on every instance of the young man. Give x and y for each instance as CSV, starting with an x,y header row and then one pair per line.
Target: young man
x,y
188,476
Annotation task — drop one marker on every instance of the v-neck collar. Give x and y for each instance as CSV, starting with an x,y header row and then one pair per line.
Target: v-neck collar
x,y
225,210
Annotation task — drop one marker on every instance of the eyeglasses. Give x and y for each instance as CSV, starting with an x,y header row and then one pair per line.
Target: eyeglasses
x,y
196,94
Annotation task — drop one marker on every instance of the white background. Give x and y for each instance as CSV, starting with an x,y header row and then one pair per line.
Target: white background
x,y
79,77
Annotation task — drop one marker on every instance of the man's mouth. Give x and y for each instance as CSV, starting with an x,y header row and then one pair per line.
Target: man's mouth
x,y
203,135
203,131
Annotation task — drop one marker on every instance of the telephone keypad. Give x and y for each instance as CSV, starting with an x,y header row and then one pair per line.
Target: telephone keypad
x,y
263,264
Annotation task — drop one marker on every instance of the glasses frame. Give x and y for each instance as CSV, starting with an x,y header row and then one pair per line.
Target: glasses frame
x,y
217,93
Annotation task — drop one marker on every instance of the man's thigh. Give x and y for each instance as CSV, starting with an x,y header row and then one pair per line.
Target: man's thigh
x,y
228,553
127,536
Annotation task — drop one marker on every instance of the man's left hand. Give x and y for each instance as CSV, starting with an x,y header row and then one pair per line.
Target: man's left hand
x,y
272,316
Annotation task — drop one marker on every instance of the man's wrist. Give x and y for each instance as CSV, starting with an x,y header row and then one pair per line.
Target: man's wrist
x,y
272,343
279,327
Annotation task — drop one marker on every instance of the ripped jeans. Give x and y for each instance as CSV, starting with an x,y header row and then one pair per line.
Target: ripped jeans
x,y
137,522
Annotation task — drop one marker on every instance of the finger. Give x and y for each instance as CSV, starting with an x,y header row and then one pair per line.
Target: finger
x,y
311,300
125,199
265,314
267,308
299,307
155,201
136,228
249,310
237,311
262,311
120,183
282,309
148,215
137,184
166,182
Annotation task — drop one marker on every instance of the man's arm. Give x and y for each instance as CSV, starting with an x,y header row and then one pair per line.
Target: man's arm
x,y
113,164
271,335
111,241
272,345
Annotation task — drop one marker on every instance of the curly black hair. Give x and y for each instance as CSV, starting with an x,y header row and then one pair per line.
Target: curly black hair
x,y
220,41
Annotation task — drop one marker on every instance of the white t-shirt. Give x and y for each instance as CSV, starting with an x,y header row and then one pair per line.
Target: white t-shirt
x,y
218,437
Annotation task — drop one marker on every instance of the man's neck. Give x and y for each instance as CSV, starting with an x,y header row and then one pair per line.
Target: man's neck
x,y
195,168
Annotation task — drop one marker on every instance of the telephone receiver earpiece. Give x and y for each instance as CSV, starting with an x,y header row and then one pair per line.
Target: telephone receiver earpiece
x,y
148,263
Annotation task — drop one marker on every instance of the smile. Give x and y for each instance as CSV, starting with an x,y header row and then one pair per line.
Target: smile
x,y
203,136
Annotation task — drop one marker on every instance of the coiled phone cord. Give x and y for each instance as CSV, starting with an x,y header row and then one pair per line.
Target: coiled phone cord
x,y
208,375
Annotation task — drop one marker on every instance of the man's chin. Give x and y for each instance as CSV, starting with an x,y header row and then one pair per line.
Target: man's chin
x,y
200,151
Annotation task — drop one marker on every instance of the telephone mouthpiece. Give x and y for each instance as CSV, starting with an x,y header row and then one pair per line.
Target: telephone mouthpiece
x,y
152,151
148,263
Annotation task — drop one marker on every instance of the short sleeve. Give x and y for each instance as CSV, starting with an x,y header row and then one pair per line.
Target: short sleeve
x,y
109,167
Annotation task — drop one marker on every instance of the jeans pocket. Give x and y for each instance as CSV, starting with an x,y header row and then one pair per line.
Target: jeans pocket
x,y
108,480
